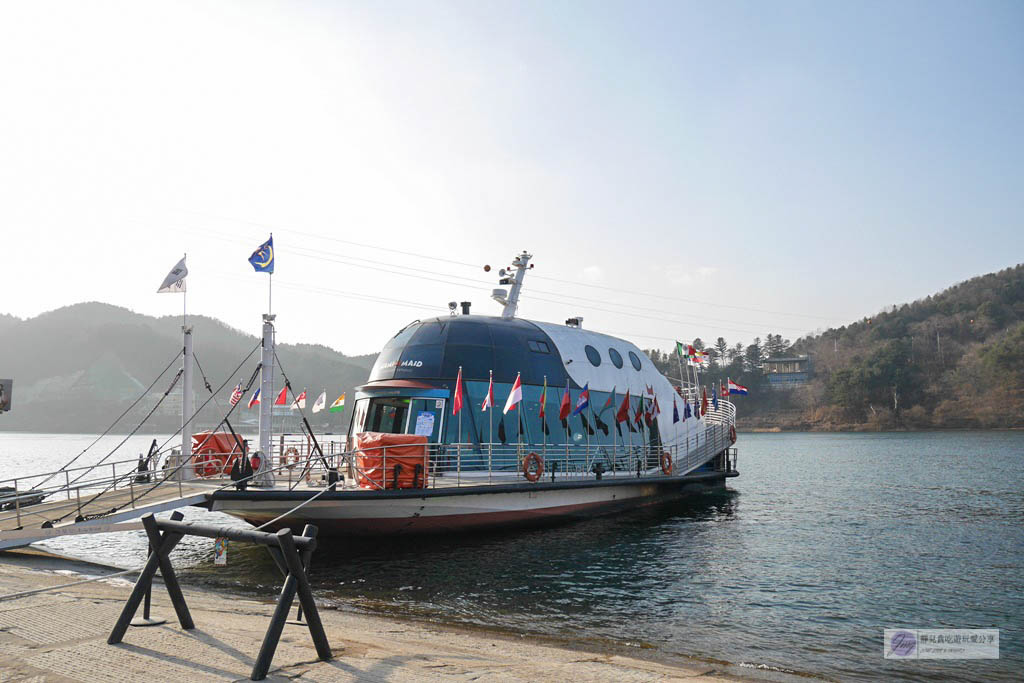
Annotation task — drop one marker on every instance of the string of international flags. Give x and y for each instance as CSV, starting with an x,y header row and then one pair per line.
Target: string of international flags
x,y
262,261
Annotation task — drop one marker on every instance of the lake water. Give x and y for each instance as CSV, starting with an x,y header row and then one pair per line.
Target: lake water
x,y
823,541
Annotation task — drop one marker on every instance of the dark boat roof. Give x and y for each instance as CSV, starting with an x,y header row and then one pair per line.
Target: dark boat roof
x,y
436,347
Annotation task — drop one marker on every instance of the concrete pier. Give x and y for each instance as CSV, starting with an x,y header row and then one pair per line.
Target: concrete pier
x,y
61,636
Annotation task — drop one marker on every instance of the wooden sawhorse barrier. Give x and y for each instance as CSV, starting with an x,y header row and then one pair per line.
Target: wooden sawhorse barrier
x,y
291,553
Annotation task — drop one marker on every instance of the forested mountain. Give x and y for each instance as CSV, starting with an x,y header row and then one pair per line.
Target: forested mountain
x,y
954,359
77,368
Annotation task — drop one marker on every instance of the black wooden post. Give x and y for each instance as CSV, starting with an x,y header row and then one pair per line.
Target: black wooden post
x,y
167,571
161,547
316,627
284,604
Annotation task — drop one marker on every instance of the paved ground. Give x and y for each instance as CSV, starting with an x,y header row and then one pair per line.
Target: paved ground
x,y
61,636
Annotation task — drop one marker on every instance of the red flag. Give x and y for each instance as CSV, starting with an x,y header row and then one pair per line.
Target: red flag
x,y
724,390
563,408
544,398
704,403
623,413
282,398
514,396
457,402
639,411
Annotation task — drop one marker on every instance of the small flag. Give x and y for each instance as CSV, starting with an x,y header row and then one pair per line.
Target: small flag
x,y
544,399
321,402
704,403
609,403
457,401
236,394
175,280
680,350
737,388
655,409
563,406
675,411
515,396
262,259
254,399
489,398
282,398
686,410
300,401
650,390
724,391
338,405
714,398
583,401
623,414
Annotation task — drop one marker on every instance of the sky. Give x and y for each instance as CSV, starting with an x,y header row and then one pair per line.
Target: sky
x,y
677,169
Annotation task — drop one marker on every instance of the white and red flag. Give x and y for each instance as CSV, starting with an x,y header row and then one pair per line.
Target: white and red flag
x,y
515,396
236,395
300,401
489,398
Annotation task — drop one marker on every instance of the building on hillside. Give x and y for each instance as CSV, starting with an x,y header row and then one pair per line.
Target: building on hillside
x,y
784,373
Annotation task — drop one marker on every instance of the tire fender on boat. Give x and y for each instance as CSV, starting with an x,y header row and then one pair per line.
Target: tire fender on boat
x,y
732,433
538,464
666,462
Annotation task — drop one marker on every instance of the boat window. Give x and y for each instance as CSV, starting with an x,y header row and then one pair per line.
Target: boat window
x,y
400,339
635,361
387,415
466,332
592,355
538,346
616,358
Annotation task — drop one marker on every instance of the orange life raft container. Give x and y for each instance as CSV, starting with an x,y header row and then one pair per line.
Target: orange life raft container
x,y
388,461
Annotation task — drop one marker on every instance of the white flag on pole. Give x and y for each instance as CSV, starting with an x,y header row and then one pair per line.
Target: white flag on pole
x,y
321,402
175,280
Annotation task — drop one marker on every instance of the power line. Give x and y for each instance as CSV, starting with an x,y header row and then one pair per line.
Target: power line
x,y
475,265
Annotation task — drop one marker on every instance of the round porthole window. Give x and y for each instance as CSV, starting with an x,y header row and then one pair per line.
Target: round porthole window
x,y
616,358
592,355
635,361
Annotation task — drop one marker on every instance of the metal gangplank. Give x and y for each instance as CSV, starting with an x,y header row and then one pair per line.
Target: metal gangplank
x,y
91,499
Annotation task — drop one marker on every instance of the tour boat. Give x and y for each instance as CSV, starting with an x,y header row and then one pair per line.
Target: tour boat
x,y
414,461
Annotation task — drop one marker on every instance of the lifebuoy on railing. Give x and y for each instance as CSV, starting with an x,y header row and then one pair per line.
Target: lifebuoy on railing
x,y
732,433
533,467
291,456
666,463
256,461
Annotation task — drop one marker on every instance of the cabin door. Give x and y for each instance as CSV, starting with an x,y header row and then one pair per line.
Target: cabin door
x,y
426,418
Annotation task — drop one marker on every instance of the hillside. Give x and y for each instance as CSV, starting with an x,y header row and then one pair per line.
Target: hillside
x,y
951,360
78,367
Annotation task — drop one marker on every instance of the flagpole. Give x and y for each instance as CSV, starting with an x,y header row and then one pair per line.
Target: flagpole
x,y
544,420
589,427
614,446
490,421
458,438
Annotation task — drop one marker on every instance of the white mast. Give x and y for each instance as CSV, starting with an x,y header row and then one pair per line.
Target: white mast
x,y
267,385
187,397
511,301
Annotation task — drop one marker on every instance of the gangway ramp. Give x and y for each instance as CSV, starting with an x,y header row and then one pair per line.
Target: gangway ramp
x,y
82,503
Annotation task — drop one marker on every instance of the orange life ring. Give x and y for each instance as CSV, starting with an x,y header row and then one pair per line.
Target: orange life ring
x,y
291,457
538,464
666,463
208,465
732,434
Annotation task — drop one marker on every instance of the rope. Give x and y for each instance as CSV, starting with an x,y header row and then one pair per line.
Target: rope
x,y
137,427
25,594
114,483
112,424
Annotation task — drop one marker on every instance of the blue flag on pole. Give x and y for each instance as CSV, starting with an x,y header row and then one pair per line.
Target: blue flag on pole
x,y
714,398
583,401
675,411
263,258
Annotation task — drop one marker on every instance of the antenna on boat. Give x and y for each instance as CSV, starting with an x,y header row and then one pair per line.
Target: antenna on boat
x,y
510,300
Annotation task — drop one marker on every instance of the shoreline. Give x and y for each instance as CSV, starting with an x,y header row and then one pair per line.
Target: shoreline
x,y
527,656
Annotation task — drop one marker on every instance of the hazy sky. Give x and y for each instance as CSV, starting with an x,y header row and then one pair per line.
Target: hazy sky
x,y
736,168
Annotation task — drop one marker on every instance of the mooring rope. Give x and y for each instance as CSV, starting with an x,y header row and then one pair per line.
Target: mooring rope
x,y
113,424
